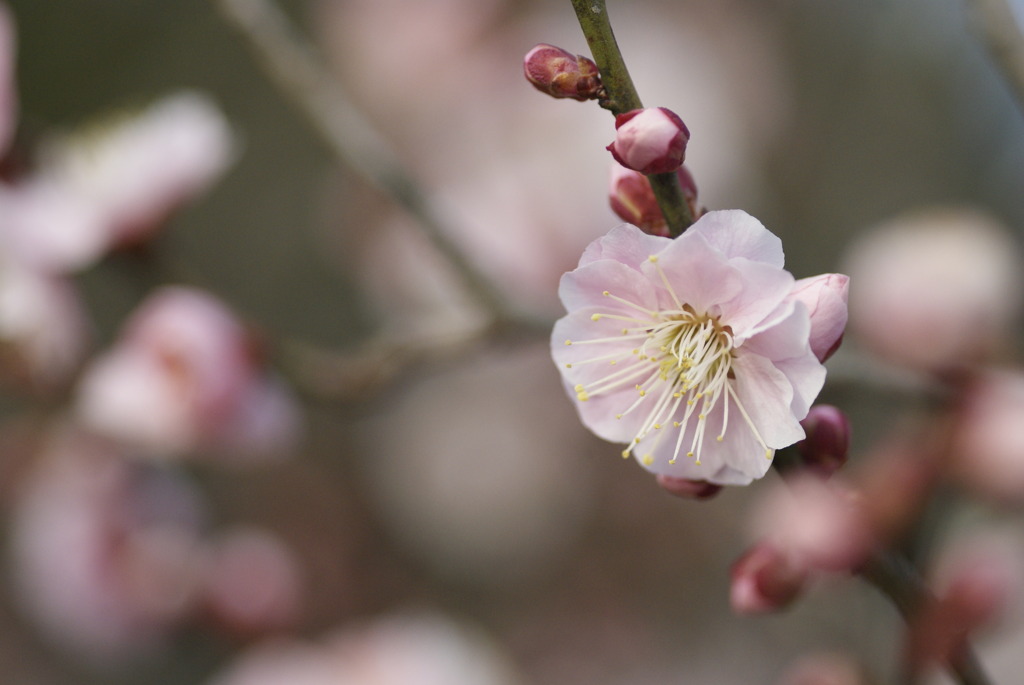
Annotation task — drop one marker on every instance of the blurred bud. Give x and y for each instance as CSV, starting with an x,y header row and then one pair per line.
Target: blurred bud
x,y
562,74
988,444
814,522
894,485
827,444
632,198
688,489
823,669
764,579
651,141
825,297
935,290
8,92
252,583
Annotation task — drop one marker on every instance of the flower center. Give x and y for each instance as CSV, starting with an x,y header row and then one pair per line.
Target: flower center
x,y
679,362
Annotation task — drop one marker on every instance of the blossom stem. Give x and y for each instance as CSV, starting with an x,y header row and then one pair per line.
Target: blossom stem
x,y
292,64
622,97
895,577
1000,30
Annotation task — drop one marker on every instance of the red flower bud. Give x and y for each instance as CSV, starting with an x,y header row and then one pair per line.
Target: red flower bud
x,y
562,74
651,141
827,444
632,199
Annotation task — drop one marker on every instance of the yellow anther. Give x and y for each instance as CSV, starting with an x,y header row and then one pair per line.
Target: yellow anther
x,y
606,293
618,416
648,460
689,454
568,342
579,388
625,454
583,396
701,417
720,438
652,258
595,317
677,424
657,426
568,366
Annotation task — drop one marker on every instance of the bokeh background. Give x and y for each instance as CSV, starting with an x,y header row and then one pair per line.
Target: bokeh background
x,y
464,487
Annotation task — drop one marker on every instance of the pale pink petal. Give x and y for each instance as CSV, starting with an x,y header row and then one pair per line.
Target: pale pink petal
x,y
697,274
766,395
764,289
825,298
737,234
585,287
626,244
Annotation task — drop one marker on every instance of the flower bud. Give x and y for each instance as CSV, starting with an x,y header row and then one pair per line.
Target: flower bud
x,y
688,489
632,199
562,74
764,579
827,444
825,297
651,141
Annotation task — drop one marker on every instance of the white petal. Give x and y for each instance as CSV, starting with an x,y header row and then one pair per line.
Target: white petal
x,y
767,394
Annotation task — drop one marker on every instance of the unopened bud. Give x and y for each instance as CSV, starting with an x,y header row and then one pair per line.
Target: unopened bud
x,y
651,141
764,579
827,444
688,489
632,199
562,74
825,297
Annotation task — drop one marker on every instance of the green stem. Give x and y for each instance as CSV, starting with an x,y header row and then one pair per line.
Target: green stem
x,y
622,97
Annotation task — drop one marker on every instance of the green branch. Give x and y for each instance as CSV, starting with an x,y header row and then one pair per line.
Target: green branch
x,y
622,97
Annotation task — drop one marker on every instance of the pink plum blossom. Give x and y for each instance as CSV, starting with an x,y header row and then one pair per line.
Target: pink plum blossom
x,y
693,350
183,377
651,141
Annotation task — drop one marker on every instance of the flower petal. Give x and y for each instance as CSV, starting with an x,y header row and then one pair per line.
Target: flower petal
x,y
626,244
737,234
766,394
697,274
585,287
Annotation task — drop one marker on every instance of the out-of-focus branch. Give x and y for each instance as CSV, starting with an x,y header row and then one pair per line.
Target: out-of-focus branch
x,y
292,64
622,97
1001,32
900,582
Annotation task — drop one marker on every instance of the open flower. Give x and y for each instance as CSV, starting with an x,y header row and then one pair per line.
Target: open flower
x,y
693,351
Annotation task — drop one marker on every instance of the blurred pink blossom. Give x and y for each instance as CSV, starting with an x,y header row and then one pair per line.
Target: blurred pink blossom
x,y
690,350
814,523
414,650
252,583
935,289
115,184
105,554
183,377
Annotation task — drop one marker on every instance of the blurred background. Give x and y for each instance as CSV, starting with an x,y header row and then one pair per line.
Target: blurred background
x,y
457,512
